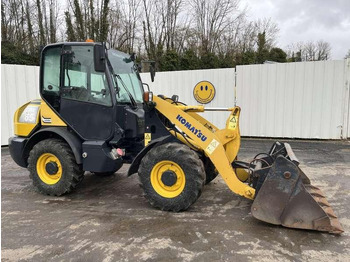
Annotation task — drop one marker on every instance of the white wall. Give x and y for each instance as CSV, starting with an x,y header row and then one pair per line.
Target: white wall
x,y
347,100
302,100
294,100
19,85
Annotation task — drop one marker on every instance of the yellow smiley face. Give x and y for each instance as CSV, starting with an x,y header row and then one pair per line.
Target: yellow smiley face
x,y
204,92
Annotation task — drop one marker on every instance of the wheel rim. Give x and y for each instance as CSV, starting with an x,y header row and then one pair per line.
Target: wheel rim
x,y
45,161
165,168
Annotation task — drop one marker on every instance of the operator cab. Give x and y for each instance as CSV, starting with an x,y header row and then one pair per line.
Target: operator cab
x,y
97,92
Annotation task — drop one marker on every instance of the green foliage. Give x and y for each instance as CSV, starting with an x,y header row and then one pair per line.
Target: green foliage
x,y
247,58
226,61
104,21
86,23
189,60
41,25
79,21
209,60
170,61
262,53
70,30
298,57
10,54
278,55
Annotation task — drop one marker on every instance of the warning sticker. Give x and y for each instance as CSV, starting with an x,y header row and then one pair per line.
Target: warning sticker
x,y
147,138
212,146
232,124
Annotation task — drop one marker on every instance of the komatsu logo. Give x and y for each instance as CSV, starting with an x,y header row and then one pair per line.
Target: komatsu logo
x,y
194,130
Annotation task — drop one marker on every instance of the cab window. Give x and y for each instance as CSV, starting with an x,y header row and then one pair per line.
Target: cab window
x,y
81,81
50,81
51,69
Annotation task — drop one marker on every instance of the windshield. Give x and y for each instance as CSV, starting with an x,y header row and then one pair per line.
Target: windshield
x,y
124,67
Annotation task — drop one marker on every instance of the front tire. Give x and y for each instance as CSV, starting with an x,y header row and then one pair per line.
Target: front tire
x,y
53,168
210,171
172,177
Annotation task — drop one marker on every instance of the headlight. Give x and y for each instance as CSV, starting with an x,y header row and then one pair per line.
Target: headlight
x,y
29,115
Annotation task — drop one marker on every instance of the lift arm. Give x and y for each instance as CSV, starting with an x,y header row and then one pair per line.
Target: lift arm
x,y
211,141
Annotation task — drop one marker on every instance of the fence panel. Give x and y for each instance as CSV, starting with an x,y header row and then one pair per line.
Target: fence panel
x,y
19,84
294,100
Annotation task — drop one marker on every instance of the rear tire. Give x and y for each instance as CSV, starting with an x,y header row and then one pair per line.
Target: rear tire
x,y
184,164
68,175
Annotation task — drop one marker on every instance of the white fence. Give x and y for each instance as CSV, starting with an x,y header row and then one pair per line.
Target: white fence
x,y
301,100
293,100
19,85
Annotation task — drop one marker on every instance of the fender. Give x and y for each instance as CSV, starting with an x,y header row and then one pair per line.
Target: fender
x,y
73,140
154,143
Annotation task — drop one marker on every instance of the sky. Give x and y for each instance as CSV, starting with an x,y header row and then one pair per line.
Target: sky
x,y
307,20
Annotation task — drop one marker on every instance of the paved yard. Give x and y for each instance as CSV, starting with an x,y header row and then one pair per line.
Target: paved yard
x,y
107,219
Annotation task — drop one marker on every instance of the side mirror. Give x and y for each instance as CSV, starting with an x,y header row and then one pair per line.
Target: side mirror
x,y
99,58
153,70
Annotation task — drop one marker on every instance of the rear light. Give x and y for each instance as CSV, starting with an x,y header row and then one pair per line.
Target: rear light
x,y
117,153
147,96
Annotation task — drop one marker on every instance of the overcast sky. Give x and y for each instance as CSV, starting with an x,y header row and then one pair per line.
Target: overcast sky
x,y
307,20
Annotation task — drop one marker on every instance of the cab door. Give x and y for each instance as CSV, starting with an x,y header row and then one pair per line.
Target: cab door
x,y
84,99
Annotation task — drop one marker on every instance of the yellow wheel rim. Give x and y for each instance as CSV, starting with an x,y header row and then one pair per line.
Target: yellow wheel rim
x,y
160,187
47,178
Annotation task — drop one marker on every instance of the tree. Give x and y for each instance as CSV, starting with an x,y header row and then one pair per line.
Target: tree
x,y
41,23
310,51
262,53
211,20
89,20
11,54
189,60
153,30
177,34
170,61
277,55
209,60
248,57
270,30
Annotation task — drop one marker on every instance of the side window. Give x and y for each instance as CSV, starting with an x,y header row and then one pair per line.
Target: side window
x,y
99,88
51,79
81,81
51,75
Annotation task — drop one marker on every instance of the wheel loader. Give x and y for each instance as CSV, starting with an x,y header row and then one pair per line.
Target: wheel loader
x,y
95,114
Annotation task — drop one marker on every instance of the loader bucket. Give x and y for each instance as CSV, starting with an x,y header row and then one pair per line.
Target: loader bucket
x,y
286,197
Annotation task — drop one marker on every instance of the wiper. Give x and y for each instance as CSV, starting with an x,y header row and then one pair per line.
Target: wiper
x,y
127,90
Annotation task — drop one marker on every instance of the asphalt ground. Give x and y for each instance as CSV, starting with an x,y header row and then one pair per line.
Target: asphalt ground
x,y
108,219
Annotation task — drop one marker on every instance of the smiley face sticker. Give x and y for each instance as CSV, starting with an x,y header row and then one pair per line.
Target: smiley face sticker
x,y
204,92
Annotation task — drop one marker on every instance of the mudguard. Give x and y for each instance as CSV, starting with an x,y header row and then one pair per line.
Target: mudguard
x,y
154,143
73,141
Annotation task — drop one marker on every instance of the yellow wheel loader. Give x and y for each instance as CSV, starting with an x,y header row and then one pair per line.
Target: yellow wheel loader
x,y
95,114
